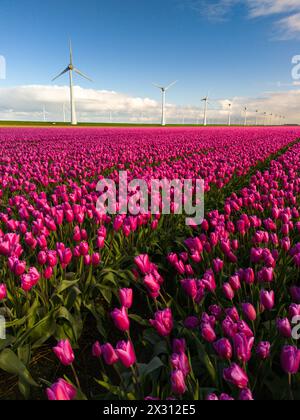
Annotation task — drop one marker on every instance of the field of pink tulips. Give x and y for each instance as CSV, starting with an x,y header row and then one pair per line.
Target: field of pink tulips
x,y
123,307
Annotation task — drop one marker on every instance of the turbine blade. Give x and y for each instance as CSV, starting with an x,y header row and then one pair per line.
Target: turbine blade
x,y
171,84
60,74
71,53
82,75
157,86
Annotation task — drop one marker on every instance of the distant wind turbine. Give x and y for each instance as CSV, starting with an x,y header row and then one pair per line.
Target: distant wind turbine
x,y
245,122
70,69
256,117
44,113
229,114
163,94
205,100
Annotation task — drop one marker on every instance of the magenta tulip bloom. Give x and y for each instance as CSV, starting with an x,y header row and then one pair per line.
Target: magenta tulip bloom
x,y
61,391
96,350
218,265
249,311
243,347
3,292
143,263
223,348
181,362
235,282
163,322
290,360
179,346
208,332
267,299
190,287
263,350
228,291
64,352
284,327
212,397
126,354
266,275
294,310
178,382
109,355
246,395
236,376
152,286
126,297
121,319
226,397
249,276
191,322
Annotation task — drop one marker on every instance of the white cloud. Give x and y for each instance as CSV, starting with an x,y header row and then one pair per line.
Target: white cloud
x,y
270,7
26,103
287,27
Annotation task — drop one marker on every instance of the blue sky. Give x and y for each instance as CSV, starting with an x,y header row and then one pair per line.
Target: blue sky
x,y
231,48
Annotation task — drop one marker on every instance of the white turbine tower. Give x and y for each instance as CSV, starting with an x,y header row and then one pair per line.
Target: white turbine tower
x,y
64,113
245,122
265,117
163,94
44,114
70,69
205,100
256,117
229,114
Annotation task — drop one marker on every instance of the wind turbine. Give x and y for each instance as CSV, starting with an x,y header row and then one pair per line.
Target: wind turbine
x,y
163,94
265,117
271,119
44,113
229,114
70,69
205,100
256,117
245,122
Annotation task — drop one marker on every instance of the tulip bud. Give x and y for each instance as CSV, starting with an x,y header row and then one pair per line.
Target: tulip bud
x,y
126,297
191,323
236,376
267,299
290,360
249,311
178,382
246,395
109,355
61,391
284,327
96,350
228,291
263,350
163,322
121,319
243,347
64,352
208,332
126,354
223,349
96,259
3,292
